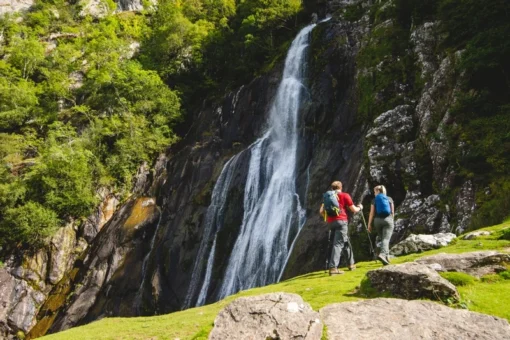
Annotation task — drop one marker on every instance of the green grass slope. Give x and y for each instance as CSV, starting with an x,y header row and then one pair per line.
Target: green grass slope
x,y
318,289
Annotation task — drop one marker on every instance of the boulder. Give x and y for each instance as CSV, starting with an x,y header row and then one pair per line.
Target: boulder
x,y
12,6
269,316
418,243
410,281
397,319
478,263
475,234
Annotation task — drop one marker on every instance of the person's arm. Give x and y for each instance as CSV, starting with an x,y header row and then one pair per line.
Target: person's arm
x,y
321,210
353,208
392,209
371,217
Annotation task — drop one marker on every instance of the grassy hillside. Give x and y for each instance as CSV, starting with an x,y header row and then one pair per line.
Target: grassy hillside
x,y
485,296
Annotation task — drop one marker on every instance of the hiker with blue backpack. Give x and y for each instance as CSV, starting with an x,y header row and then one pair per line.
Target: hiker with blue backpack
x,y
382,212
334,211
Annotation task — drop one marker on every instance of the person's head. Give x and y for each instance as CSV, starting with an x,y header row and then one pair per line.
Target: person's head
x,y
380,189
336,185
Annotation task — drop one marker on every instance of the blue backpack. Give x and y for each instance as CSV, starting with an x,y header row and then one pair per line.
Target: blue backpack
x,y
382,205
331,205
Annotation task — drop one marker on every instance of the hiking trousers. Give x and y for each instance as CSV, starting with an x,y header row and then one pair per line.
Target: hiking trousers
x,y
340,242
384,229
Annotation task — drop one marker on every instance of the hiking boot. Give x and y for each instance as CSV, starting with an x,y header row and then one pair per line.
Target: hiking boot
x,y
383,259
352,267
335,271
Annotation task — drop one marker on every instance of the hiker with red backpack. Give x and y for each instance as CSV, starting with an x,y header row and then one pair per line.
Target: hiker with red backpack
x,y
335,203
382,212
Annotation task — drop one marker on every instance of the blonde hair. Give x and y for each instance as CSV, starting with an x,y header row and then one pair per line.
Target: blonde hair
x,y
381,189
336,185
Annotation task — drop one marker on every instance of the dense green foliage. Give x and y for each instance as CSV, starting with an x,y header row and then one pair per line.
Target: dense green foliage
x,y
480,116
78,112
75,114
210,46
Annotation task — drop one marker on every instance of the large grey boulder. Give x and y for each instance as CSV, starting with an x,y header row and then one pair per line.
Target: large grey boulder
x,y
269,316
411,281
418,243
395,319
478,263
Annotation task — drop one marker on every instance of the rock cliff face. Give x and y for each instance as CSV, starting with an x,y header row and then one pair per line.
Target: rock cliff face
x,y
141,261
12,6
26,280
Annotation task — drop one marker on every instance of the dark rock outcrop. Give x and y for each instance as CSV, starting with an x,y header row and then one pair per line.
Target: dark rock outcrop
x,y
395,319
116,253
270,316
410,281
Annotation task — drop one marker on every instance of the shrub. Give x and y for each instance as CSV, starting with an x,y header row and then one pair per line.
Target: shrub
x,y
505,234
29,224
505,275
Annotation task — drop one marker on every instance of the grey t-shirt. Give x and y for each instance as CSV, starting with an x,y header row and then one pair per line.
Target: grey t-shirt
x,y
389,199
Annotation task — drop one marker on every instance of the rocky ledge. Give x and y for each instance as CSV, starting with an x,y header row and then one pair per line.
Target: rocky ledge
x,y
286,316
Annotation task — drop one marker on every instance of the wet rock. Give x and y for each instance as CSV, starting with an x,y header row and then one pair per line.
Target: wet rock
x,y
475,263
270,316
411,281
395,319
11,6
418,243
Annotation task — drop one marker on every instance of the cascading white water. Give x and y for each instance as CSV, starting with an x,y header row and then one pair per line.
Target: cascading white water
x,y
273,214
272,210
212,224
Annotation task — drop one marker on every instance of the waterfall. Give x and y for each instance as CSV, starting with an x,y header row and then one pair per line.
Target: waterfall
x,y
212,224
273,213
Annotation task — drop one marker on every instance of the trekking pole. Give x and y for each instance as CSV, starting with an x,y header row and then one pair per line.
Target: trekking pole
x,y
328,250
368,234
